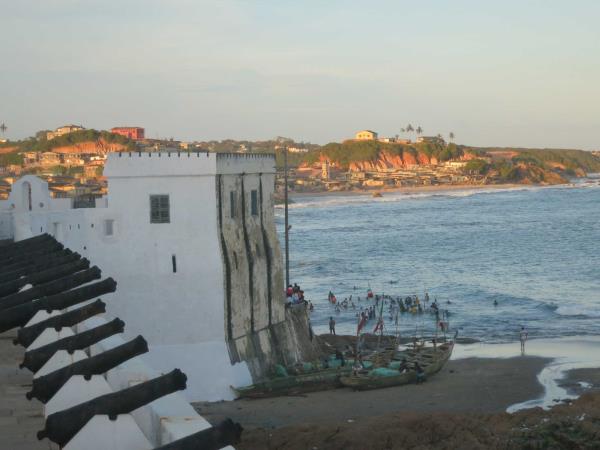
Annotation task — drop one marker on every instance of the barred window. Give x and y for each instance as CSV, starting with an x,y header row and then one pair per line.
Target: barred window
x,y
159,209
254,202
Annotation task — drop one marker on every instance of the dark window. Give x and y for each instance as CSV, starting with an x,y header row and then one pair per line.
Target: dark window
x,y
232,203
254,202
109,227
159,209
174,261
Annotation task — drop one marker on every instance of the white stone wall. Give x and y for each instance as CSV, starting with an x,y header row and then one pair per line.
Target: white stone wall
x,y
182,314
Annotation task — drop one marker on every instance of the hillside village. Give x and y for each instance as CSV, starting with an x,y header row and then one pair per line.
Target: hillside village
x,y
71,159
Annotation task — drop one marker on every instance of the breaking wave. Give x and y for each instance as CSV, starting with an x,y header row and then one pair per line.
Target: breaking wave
x,y
577,310
329,200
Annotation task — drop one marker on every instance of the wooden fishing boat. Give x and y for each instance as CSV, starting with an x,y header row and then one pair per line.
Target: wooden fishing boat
x,y
431,360
319,380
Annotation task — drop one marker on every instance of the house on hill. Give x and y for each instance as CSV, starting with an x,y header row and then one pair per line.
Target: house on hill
x,y
366,135
431,140
135,133
61,131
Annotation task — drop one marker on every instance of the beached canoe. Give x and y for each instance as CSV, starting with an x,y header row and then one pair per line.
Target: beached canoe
x,y
295,384
431,362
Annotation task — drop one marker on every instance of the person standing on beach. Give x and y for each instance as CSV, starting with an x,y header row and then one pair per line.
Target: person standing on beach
x,y
331,326
523,338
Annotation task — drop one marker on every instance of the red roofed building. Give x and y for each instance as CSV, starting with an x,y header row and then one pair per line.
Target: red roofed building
x,y
135,133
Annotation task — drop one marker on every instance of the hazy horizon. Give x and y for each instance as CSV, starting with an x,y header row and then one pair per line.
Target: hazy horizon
x,y
509,74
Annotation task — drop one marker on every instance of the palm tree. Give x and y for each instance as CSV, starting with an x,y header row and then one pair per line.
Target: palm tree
x,y
451,136
3,128
409,128
419,130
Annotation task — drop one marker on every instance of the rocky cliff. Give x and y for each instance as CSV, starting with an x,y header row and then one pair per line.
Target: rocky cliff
x,y
98,147
390,161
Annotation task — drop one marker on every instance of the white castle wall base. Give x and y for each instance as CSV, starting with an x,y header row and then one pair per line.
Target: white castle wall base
x,y
59,360
50,335
209,369
75,391
190,239
101,433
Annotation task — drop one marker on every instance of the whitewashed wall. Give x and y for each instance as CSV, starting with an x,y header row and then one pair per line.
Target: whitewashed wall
x,y
180,314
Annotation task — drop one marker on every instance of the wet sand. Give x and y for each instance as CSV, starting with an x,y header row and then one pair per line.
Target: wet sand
x,y
461,407
479,385
580,381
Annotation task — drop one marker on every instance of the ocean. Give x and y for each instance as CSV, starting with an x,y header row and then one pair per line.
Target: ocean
x,y
534,250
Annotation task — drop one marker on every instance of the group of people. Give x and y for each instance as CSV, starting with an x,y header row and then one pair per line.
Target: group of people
x,y
294,295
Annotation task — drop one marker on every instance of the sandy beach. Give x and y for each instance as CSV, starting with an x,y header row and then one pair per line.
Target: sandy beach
x,y
461,407
474,384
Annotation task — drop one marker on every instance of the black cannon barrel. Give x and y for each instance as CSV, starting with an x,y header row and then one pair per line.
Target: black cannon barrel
x,y
44,276
31,255
32,242
18,316
36,358
213,438
63,425
46,386
28,267
26,336
52,287
28,241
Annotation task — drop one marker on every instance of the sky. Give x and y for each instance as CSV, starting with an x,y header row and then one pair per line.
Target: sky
x,y
504,73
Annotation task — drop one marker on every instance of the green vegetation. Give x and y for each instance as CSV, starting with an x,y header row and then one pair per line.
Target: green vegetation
x,y
41,144
570,160
11,158
348,152
477,167
504,165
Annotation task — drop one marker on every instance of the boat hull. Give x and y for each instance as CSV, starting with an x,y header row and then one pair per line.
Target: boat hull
x,y
367,382
293,385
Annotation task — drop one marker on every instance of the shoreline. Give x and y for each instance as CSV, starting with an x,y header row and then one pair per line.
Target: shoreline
x,y
464,406
419,189
479,385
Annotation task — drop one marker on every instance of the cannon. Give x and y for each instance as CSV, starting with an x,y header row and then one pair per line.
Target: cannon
x,y
17,316
44,276
46,386
36,358
63,425
26,244
27,267
59,258
213,438
26,336
31,255
50,288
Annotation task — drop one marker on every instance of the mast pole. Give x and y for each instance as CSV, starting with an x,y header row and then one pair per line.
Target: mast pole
x,y
287,228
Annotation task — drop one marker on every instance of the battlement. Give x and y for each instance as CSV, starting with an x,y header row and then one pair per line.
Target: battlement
x,y
158,164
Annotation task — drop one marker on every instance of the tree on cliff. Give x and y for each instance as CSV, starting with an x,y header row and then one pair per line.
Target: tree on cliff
x,y
451,136
419,130
3,128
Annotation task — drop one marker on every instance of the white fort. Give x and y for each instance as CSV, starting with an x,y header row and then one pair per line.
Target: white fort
x,y
190,239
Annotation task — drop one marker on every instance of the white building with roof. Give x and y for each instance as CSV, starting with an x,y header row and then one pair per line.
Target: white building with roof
x,y
191,240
